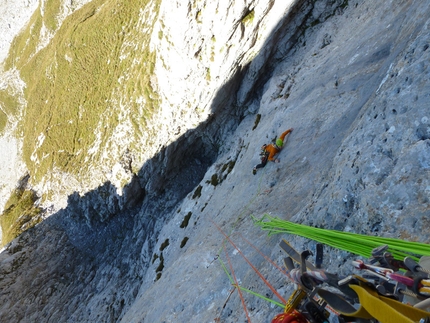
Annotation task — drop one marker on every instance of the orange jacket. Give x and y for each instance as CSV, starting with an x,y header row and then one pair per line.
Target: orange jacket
x,y
273,149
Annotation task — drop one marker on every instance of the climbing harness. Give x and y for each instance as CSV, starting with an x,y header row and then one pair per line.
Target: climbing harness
x,y
389,287
264,154
392,285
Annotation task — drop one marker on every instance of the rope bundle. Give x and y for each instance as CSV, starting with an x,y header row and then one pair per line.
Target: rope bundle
x,y
352,242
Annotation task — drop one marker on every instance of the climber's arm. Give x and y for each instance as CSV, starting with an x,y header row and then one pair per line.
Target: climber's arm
x,y
285,133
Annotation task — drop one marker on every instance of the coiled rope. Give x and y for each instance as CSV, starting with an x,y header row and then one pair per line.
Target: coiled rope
x,y
355,243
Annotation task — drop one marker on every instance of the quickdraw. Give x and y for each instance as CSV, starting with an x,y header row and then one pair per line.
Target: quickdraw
x,y
264,154
377,295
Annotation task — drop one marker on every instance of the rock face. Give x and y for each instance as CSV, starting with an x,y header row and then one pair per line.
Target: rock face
x,y
351,78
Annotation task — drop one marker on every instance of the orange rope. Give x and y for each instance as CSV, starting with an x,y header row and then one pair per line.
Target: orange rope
x,y
265,257
237,285
252,266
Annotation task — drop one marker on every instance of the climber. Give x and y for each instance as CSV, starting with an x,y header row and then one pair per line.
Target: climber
x,y
269,151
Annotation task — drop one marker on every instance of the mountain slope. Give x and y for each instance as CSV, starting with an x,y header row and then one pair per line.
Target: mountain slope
x,y
351,78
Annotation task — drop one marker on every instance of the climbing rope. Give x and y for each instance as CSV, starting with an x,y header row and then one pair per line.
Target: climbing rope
x,y
237,285
251,292
352,242
264,256
227,237
252,266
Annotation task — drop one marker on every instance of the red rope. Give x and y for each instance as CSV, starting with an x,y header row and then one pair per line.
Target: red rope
x,y
265,257
237,285
252,266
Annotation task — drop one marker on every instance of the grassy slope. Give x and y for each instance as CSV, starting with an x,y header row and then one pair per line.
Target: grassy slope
x,y
8,106
94,73
72,84
20,214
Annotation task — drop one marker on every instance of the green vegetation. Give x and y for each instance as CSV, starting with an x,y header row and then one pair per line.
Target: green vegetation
x,y
154,258
212,58
24,45
93,74
20,214
52,9
186,220
214,179
248,18
257,121
345,4
160,267
199,16
3,121
218,178
184,242
8,106
164,245
197,192
315,22
228,166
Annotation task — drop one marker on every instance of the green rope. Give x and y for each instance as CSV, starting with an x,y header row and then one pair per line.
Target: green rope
x,y
248,290
233,226
262,297
352,242
246,208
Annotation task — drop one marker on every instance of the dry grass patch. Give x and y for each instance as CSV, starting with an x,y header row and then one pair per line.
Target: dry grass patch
x,y
20,214
97,64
